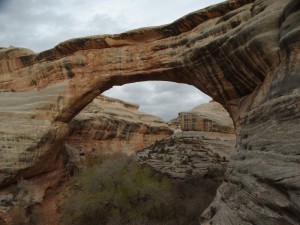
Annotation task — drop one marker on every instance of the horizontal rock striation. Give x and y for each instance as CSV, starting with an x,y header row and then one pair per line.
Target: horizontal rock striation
x,y
194,150
110,125
243,53
210,117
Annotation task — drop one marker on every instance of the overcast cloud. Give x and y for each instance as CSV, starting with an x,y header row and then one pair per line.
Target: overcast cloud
x,y
42,24
161,98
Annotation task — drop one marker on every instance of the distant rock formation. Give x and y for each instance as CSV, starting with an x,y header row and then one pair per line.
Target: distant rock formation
x,y
196,150
242,53
210,117
112,125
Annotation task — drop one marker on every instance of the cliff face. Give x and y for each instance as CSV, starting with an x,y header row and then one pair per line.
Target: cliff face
x,y
210,117
109,124
243,53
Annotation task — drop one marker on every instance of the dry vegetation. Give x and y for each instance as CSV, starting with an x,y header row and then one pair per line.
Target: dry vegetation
x,y
114,190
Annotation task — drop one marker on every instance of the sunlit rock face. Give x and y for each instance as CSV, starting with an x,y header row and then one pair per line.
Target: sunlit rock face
x,y
111,125
210,117
243,53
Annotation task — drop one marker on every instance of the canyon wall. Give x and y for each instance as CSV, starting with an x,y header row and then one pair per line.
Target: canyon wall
x,y
111,125
243,53
210,117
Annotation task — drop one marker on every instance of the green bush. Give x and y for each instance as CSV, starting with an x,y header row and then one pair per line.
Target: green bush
x,y
113,190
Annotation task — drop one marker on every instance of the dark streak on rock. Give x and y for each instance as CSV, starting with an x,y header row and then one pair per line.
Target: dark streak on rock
x,y
47,55
27,60
68,68
290,26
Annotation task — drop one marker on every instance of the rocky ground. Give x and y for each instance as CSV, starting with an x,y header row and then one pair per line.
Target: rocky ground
x,y
189,154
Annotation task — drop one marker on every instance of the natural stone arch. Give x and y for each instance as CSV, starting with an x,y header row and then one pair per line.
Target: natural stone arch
x,y
243,53
186,51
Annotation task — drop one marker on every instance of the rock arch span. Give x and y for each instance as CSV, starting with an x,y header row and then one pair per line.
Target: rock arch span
x,y
243,53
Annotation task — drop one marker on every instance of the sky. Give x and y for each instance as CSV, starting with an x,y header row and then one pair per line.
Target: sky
x,y
41,24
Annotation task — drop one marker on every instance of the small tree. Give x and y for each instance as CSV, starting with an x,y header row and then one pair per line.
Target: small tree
x,y
117,192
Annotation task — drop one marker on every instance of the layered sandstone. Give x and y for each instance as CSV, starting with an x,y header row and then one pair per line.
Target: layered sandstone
x,y
195,149
210,117
243,53
110,125
105,125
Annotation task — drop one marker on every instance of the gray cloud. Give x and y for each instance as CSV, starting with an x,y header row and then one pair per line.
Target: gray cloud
x,y
40,25
164,99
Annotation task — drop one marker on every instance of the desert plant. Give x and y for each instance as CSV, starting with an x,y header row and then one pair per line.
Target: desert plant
x,y
113,190
117,191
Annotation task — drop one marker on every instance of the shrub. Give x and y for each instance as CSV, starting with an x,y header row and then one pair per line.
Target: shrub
x,y
113,190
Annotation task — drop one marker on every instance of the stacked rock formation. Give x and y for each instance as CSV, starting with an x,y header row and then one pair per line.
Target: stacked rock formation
x,y
210,117
109,124
243,53
196,150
